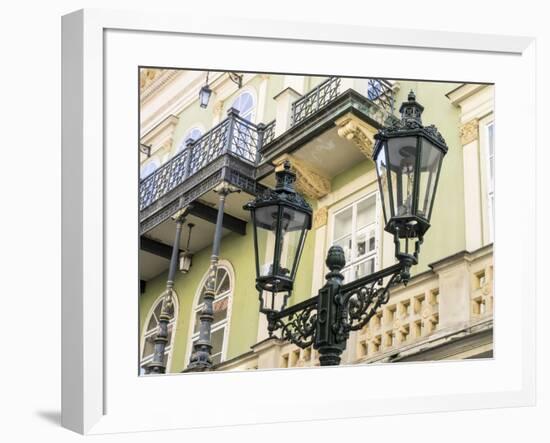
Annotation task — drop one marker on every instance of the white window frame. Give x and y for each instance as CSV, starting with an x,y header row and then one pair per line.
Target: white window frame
x,y
148,333
490,182
375,225
487,185
182,144
226,265
253,95
152,161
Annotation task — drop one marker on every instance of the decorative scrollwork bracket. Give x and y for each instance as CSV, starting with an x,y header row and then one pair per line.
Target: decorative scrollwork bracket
x,y
326,320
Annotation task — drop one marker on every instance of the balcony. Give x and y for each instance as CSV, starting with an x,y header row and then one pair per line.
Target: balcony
x,y
229,151
331,127
240,152
379,91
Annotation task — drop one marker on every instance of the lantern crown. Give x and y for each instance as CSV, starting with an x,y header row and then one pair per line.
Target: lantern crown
x,y
284,193
411,111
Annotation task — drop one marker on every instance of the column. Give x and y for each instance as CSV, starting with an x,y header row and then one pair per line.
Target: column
x,y
157,366
202,349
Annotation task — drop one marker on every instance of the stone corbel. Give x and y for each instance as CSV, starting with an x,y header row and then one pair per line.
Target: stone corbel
x,y
352,128
309,182
469,132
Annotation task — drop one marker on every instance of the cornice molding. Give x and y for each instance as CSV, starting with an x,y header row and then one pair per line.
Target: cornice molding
x,y
153,80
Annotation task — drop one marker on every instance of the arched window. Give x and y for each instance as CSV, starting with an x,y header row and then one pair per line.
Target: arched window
x,y
194,133
150,330
221,308
148,168
244,103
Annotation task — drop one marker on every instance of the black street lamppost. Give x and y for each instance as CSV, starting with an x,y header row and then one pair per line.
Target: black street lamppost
x,y
408,158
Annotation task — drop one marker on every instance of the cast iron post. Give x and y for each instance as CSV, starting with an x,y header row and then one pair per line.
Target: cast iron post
x,y
328,340
200,358
157,366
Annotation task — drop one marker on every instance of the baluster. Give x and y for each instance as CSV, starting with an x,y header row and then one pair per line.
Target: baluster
x,y
188,156
232,115
318,93
261,133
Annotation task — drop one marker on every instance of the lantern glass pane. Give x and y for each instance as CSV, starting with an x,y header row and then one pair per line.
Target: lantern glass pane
x,y
293,223
402,152
430,161
382,171
266,226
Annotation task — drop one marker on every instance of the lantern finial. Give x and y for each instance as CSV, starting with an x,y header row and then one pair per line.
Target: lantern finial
x,y
285,178
411,111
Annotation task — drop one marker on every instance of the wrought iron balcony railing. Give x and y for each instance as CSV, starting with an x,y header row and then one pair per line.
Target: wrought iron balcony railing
x,y
234,136
242,139
379,91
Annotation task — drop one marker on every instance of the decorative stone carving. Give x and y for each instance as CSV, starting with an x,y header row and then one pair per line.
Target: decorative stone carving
x,y
309,182
218,108
320,217
469,131
357,131
148,76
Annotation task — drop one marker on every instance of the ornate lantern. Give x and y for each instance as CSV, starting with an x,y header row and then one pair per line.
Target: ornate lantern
x,y
408,159
281,218
204,96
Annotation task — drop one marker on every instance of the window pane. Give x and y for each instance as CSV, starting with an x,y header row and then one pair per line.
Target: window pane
x,y
365,242
342,223
245,105
148,346
361,243
366,212
152,324
217,341
363,268
491,147
223,281
220,310
345,243
158,308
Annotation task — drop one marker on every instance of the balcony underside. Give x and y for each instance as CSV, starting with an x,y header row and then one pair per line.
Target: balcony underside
x,y
225,168
316,137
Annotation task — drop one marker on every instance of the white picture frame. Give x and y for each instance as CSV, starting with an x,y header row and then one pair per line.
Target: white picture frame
x,y
99,386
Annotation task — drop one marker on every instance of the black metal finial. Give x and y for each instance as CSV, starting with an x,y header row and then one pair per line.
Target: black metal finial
x,y
336,258
285,178
411,111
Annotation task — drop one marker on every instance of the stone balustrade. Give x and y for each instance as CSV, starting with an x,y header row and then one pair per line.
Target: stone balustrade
x,y
409,324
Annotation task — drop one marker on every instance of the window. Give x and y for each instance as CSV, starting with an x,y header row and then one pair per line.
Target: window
x,y
194,133
490,152
150,331
148,168
355,229
221,308
244,103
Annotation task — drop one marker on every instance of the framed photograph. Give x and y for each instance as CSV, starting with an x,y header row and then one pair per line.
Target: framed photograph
x,y
291,218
